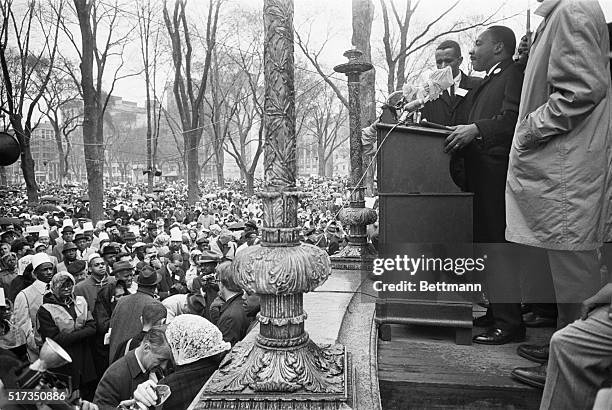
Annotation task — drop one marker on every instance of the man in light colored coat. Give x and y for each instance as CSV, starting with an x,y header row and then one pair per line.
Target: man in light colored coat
x,y
559,177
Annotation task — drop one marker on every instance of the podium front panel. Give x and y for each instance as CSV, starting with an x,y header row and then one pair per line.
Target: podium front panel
x,y
412,160
425,218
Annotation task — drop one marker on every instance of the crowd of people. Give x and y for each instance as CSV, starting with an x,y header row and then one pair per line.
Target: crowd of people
x,y
145,294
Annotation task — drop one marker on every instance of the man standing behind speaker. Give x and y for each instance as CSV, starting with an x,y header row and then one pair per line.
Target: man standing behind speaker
x,y
560,183
453,106
485,142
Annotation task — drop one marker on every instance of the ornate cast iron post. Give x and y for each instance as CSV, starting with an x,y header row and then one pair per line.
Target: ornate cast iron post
x,y
358,254
281,364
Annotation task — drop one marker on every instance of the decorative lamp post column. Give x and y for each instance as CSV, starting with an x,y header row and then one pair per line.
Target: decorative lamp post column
x,y
281,367
358,254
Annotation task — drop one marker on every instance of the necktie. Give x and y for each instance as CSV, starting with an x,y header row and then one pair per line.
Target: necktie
x,y
452,90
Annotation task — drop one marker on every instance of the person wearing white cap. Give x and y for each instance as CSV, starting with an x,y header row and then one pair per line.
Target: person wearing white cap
x,y
30,299
40,247
43,237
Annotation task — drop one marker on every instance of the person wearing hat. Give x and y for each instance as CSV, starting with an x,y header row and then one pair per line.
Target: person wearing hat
x,y
109,254
125,320
67,236
250,239
43,237
69,252
202,243
84,250
30,299
67,320
78,269
105,303
197,349
129,239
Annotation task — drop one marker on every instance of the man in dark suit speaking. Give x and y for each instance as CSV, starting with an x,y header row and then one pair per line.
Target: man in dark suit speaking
x,y
453,106
485,141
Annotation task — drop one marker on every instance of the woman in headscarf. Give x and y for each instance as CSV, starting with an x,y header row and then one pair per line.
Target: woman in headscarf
x,y
197,348
66,319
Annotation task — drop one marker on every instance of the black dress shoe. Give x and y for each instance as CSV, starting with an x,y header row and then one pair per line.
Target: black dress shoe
x,y
535,353
483,321
495,336
525,308
533,376
532,320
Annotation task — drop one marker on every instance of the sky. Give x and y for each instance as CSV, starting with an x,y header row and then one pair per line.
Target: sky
x,y
331,20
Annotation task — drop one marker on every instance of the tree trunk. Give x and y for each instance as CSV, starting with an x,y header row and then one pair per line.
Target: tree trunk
x,y
92,120
321,155
363,15
27,163
220,159
250,183
60,150
191,144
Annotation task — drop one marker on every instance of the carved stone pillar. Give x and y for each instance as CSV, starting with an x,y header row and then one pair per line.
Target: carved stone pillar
x,y
358,254
281,367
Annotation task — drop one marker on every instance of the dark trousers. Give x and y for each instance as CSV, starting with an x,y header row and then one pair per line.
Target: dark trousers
x,y
486,178
536,281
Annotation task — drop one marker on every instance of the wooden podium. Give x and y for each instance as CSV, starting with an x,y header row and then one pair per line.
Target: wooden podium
x,y
422,213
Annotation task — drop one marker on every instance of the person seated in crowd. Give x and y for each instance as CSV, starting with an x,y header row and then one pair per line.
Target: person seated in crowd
x,y
125,321
232,321
580,358
153,314
197,349
66,319
123,376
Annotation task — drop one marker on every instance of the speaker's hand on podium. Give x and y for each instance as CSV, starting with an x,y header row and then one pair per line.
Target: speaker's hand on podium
x,y
461,136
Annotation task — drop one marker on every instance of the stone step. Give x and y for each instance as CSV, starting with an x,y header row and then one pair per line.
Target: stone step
x,y
422,368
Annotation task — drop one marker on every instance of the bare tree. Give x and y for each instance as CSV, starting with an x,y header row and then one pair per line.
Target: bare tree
x,y
149,42
249,115
398,47
18,76
101,41
189,92
325,126
64,112
221,108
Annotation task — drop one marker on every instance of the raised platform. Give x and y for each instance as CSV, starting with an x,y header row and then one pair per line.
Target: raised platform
x,y
422,368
